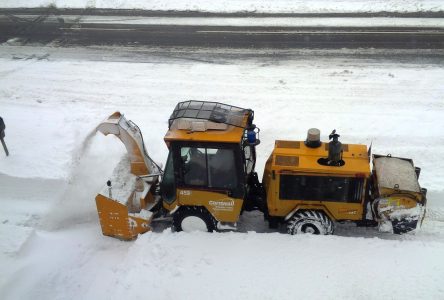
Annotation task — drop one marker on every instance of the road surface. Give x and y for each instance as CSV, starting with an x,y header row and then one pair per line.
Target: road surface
x,y
235,31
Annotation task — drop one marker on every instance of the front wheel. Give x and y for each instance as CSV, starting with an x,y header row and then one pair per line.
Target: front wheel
x,y
194,218
310,222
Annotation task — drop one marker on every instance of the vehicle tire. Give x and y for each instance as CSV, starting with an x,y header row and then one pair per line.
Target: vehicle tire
x,y
311,222
194,218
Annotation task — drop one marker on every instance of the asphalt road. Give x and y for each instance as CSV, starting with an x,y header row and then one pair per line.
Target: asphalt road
x,y
74,30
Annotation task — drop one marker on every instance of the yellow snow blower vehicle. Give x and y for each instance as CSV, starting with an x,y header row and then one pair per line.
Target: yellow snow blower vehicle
x,y
210,179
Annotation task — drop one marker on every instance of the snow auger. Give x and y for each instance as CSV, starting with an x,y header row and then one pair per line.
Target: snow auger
x,y
210,179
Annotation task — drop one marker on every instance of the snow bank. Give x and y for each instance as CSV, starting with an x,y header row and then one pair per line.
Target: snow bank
x,y
256,6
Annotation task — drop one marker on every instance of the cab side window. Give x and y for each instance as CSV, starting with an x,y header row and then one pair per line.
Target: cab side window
x,y
168,185
221,168
321,188
194,166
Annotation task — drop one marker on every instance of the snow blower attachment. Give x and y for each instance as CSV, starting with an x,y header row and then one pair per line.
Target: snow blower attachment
x,y
210,179
124,207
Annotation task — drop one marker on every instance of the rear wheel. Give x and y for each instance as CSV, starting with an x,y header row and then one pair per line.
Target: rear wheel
x,y
194,218
310,222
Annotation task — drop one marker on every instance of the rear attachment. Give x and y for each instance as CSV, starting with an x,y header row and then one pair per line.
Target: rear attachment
x,y
400,200
124,205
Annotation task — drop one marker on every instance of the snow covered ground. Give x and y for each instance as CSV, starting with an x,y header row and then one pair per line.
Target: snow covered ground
x,y
52,98
255,6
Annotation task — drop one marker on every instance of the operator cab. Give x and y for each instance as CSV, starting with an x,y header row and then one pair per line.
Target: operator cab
x,y
211,154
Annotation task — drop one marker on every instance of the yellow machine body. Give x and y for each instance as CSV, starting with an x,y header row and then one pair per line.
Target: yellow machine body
x,y
222,207
294,158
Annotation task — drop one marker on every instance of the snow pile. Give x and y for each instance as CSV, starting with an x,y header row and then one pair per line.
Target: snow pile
x,y
255,6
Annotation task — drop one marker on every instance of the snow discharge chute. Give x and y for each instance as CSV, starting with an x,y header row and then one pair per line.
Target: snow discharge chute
x,y
130,135
123,205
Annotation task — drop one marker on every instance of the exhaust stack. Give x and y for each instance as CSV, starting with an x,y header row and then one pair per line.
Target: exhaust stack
x,y
313,138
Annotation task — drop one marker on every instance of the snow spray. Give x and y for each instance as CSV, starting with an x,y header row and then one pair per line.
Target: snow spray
x,y
92,165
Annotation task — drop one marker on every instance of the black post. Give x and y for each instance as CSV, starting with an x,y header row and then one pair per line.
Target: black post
x,y
2,135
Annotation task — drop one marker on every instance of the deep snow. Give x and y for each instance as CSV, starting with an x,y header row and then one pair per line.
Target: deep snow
x,y
52,247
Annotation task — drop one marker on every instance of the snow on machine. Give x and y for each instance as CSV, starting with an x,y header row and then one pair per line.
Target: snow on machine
x,y
210,179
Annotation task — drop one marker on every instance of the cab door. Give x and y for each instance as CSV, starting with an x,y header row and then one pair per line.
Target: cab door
x,y
211,175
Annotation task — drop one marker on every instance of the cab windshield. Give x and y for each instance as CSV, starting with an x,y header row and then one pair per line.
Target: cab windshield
x,y
209,167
